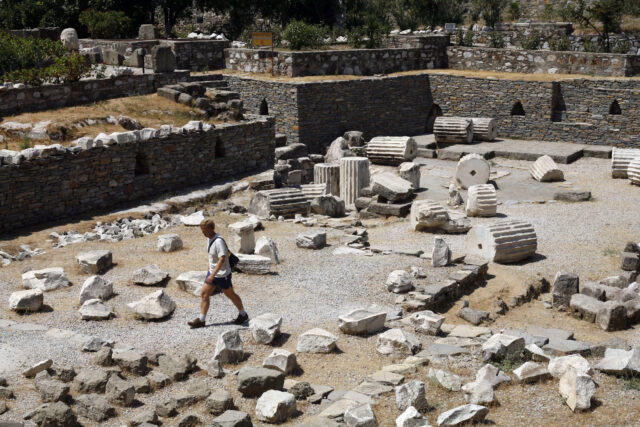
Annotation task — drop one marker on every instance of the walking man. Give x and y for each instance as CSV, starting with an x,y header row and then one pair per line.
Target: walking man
x,y
218,277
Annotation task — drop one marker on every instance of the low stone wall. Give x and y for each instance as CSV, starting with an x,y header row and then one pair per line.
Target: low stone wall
x,y
48,97
77,180
194,55
431,54
51,33
315,113
542,62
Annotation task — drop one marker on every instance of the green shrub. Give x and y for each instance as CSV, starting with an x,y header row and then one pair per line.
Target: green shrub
x,y
18,53
514,11
301,35
106,25
465,38
532,41
67,68
621,46
560,44
355,37
495,40
245,36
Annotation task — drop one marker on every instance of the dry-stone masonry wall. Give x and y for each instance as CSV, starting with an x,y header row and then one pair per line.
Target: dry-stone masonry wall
x,y
15,101
78,180
542,62
428,53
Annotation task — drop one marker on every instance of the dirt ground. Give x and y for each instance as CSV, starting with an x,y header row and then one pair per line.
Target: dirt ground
x,y
150,110
311,288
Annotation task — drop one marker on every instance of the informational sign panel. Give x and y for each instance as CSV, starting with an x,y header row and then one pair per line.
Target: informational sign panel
x,y
262,39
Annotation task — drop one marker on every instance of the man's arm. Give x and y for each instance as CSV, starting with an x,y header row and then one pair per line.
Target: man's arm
x,y
217,268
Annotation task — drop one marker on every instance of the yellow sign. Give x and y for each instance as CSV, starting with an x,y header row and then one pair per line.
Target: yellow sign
x,y
262,39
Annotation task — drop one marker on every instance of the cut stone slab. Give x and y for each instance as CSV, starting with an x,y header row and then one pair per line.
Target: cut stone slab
x,y
362,321
316,340
232,418
265,328
473,316
169,243
242,237
411,418
266,247
219,401
30,300
360,416
95,262
577,390
558,366
255,381
401,368
130,361
192,281
373,389
281,360
94,309
564,286
275,406
412,394
500,346
338,408
465,331
253,264
531,372
585,307
229,348
311,240
448,380
441,254
546,170
391,187
620,362
96,287
33,370
399,281
612,316
426,322
551,333
385,377
442,350
572,196
149,276
562,348
95,407
398,343
47,279
463,414
157,305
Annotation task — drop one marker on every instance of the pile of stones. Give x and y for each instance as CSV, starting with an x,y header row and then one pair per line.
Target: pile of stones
x,y
208,97
25,252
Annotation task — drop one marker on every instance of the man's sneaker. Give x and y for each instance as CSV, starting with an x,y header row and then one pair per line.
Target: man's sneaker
x,y
196,323
241,319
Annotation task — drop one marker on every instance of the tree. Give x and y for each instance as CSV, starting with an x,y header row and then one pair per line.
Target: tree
x,y
490,10
602,16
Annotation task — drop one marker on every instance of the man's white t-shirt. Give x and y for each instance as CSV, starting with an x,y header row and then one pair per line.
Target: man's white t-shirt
x,y
218,249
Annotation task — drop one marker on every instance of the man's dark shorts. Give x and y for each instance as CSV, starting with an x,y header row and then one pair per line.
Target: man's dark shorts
x,y
220,283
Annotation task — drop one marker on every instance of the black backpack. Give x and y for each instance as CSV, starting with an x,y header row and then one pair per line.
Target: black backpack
x,y
233,260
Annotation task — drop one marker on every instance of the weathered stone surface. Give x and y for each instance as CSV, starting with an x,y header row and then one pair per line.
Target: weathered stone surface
x,y
94,407
441,254
69,39
361,321
96,287
456,130
94,309
242,237
47,279
265,328
391,187
397,343
577,390
229,348
275,406
426,322
316,340
411,172
141,385
385,377
429,215
564,286
531,372
411,418
567,347
546,170
52,390
472,169
253,264
192,281
55,414
130,361
612,316
169,243
33,370
219,401
149,276
281,360
328,205
411,394
472,316
479,392
558,366
481,201
500,346
232,418
391,150
29,300
255,381
266,247
503,241
620,362
448,380
285,202
119,391
463,414
585,307
156,305
360,416
158,380
311,240
399,281
163,59
354,176
338,149
95,262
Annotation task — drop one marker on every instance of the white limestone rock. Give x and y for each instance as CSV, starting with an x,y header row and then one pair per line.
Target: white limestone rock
x,y
266,247
94,309
482,201
275,406
463,414
391,187
398,343
96,287
620,362
47,279
95,262
411,418
399,281
411,394
193,219
281,360
504,241
311,240
426,322
265,328
531,372
69,39
242,237
441,254
229,348
448,380
411,172
360,416
316,340
577,390
558,366
361,321
472,169
169,243
500,346
149,276
546,170
30,300
157,305
192,281
253,264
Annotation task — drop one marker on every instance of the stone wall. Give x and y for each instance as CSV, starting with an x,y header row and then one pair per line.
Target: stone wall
x,y
51,33
365,62
48,97
542,62
194,55
76,181
315,113
581,111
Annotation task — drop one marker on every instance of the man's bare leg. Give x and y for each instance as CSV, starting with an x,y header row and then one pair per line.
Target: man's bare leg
x,y
235,299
